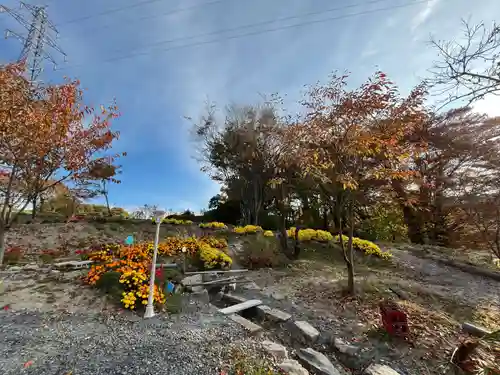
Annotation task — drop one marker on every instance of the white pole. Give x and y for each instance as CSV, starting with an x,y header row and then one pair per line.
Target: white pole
x,y
149,308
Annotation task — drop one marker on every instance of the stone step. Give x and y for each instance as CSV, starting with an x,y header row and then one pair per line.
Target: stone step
x,y
274,315
240,306
247,324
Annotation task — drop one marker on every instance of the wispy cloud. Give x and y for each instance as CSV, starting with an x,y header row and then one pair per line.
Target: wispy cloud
x,y
424,14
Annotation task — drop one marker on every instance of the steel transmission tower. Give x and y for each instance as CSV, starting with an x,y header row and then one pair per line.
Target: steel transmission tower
x,y
38,40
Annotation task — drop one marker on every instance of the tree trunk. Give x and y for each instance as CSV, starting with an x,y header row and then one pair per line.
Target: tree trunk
x,y
325,219
2,242
296,248
350,255
413,221
33,210
107,204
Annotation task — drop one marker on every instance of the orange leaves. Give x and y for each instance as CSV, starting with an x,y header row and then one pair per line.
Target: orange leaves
x,y
359,135
47,131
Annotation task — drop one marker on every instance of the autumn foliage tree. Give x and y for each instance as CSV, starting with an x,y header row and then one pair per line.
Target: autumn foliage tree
x,y
44,137
352,140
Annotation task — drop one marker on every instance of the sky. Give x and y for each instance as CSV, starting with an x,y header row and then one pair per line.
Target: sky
x,y
164,59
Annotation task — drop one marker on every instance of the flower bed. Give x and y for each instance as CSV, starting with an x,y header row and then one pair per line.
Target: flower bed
x,y
311,235
248,229
125,270
213,225
173,221
365,246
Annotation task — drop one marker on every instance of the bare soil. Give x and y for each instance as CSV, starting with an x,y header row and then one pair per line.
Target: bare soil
x,y
437,298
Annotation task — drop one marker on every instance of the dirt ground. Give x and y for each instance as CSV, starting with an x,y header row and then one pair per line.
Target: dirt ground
x,y
436,298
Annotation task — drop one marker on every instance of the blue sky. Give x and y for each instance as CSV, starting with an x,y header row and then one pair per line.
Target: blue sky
x,y
155,88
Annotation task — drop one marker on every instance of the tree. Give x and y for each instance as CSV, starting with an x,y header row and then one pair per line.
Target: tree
x,y
234,153
29,158
103,172
469,70
144,212
352,140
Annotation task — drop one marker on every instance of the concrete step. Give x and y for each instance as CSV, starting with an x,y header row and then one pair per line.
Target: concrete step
x,y
247,324
240,306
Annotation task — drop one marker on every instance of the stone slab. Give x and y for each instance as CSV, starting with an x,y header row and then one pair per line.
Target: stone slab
x,y
247,324
278,351
240,306
275,315
318,362
306,330
475,330
293,367
376,369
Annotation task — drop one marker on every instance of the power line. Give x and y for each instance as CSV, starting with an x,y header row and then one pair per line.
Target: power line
x,y
172,12
257,32
137,5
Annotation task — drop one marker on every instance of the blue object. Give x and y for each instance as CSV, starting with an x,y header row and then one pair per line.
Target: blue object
x,y
170,287
129,240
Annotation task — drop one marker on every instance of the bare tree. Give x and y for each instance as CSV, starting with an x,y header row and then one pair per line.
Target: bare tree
x,y
470,69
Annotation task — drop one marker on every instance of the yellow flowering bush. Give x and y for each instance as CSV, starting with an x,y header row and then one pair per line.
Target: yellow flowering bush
x,y
248,229
213,225
133,264
218,243
311,235
214,258
268,233
367,247
173,221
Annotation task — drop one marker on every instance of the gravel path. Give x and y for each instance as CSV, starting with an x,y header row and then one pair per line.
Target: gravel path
x,y
450,280
93,344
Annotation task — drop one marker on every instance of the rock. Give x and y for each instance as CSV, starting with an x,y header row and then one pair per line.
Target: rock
x,y
475,330
278,351
277,296
251,286
319,362
193,279
14,269
55,272
31,267
293,367
345,348
310,333
376,369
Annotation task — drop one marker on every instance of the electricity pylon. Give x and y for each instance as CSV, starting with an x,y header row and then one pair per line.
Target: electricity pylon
x,y
36,42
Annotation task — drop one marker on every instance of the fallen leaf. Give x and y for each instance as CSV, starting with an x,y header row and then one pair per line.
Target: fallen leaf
x,y
28,364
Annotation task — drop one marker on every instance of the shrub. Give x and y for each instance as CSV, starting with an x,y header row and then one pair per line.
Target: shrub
x,y
13,255
213,225
385,223
132,264
218,243
173,221
48,256
268,233
262,252
365,246
496,262
311,235
213,258
248,229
